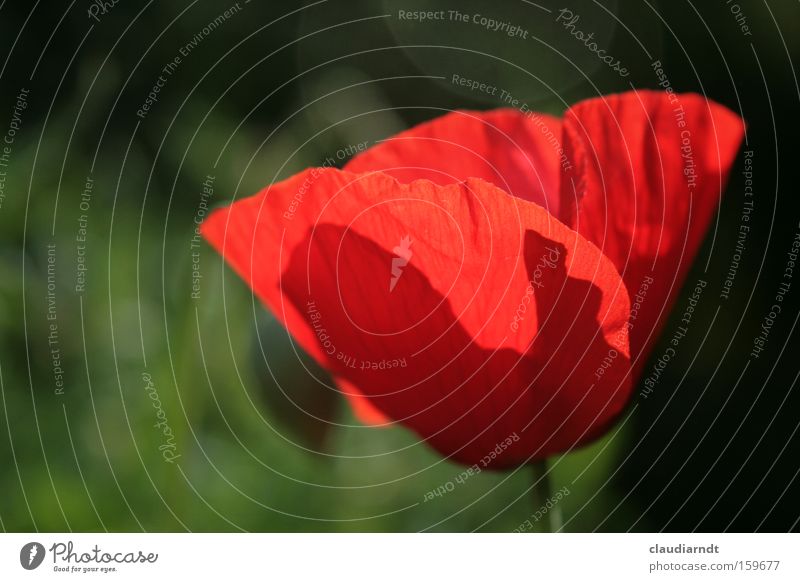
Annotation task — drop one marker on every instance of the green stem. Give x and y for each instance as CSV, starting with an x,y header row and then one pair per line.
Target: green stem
x,y
548,518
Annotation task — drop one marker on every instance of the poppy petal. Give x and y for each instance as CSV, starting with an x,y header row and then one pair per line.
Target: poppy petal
x,y
470,316
649,170
362,405
518,152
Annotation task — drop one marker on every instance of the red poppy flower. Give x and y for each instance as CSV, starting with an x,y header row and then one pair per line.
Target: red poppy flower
x,y
477,278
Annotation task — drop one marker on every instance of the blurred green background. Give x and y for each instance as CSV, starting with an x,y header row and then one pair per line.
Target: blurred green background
x,y
273,88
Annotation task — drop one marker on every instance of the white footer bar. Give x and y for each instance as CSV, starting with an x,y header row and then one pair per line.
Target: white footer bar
x,y
401,557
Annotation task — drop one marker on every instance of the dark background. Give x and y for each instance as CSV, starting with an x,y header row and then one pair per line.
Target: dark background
x,y
279,87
